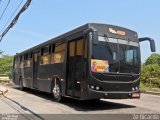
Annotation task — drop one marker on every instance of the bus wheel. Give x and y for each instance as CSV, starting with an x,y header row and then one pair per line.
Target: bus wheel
x,y
21,84
56,91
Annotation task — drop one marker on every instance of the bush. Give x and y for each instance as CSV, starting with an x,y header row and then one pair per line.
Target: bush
x,y
150,75
6,63
153,59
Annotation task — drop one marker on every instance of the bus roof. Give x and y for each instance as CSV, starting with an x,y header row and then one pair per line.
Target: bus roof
x,y
103,30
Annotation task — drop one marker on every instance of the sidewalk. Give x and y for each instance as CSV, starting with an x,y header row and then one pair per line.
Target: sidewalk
x,y
3,90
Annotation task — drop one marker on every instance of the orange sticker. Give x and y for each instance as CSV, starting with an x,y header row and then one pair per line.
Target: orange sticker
x,y
101,66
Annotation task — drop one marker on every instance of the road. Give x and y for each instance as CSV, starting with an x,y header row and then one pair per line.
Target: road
x,y
32,104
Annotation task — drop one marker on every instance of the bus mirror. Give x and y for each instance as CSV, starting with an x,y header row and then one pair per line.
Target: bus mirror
x,y
153,47
95,37
152,43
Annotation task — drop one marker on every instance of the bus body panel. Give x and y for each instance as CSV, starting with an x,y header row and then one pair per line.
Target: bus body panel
x,y
111,86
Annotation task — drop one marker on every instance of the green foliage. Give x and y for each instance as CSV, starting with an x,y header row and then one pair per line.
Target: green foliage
x,y
6,63
153,59
150,73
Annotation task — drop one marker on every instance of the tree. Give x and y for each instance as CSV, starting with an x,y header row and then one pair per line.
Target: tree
x,y
150,73
6,63
153,59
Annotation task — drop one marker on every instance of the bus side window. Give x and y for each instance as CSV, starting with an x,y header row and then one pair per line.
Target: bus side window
x,y
53,48
79,61
25,60
79,51
45,55
58,54
21,61
29,61
72,49
79,47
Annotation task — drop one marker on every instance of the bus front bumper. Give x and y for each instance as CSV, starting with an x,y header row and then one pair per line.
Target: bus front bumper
x,y
93,94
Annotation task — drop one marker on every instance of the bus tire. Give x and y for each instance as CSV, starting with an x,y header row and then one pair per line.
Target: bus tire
x,y
56,90
21,84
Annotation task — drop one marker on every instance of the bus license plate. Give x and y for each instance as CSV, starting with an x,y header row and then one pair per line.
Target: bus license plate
x,y
135,95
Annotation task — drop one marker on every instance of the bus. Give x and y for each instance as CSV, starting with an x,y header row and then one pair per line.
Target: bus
x,y
93,61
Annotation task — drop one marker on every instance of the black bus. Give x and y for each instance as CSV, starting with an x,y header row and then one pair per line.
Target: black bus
x,y
93,61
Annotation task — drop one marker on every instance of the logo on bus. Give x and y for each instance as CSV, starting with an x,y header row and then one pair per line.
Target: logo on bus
x,y
118,32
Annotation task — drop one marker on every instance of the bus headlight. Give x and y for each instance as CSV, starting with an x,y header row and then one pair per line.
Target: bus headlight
x,y
97,88
133,89
92,87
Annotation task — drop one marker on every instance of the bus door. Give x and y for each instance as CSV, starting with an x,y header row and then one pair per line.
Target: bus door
x,y
36,61
75,67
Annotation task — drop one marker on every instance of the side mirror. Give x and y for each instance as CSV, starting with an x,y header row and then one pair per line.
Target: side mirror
x,y
153,47
152,43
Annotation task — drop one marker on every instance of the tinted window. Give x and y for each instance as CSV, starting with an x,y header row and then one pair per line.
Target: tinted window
x,y
45,59
45,55
45,50
58,54
60,47
115,55
129,60
58,57
79,47
107,51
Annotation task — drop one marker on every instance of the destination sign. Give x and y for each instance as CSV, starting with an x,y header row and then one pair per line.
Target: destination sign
x,y
118,32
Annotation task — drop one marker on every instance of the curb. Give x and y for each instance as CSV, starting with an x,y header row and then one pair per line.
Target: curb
x,y
150,92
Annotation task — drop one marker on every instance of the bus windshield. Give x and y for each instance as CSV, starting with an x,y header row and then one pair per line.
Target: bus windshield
x,y
116,56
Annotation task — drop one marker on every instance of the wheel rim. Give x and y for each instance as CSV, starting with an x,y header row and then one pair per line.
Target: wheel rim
x,y
56,91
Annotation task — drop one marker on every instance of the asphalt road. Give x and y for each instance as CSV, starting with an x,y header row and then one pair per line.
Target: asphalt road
x,y
36,105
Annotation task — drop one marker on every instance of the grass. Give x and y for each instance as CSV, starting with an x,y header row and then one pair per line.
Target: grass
x,y
148,87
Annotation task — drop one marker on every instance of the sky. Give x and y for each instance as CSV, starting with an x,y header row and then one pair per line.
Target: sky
x,y
46,19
